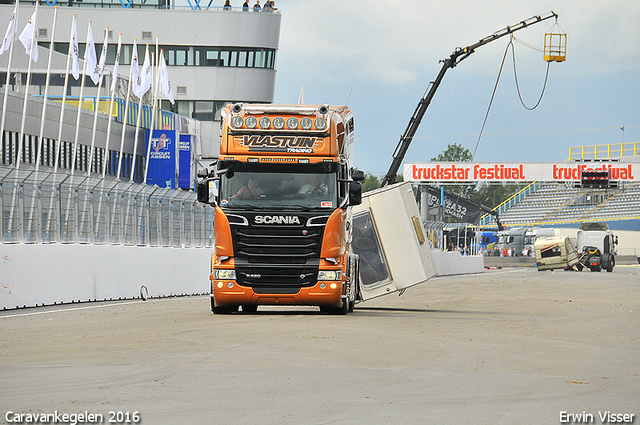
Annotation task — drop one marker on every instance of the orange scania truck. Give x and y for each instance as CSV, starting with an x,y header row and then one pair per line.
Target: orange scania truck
x,y
283,189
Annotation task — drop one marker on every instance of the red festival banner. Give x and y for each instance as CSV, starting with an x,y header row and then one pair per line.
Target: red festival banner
x,y
450,172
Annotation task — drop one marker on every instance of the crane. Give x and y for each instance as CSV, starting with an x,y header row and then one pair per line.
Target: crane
x,y
456,57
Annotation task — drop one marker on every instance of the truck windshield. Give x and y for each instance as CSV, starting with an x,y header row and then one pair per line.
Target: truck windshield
x,y
257,190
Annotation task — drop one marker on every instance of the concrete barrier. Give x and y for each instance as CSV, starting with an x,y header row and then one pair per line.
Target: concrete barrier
x,y
34,275
490,261
452,263
531,261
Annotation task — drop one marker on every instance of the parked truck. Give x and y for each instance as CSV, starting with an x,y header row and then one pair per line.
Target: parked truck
x,y
596,245
283,189
533,233
511,239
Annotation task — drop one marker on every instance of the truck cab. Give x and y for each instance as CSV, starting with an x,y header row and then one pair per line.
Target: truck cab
x,y
596,244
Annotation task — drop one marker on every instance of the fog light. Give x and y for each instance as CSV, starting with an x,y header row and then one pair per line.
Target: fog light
x,y
220,285
230,285
322,285
333,286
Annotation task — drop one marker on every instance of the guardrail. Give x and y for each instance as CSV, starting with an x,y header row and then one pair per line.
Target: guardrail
x,y
43,207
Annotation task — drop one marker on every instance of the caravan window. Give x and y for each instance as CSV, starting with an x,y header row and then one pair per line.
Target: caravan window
x,y
553,251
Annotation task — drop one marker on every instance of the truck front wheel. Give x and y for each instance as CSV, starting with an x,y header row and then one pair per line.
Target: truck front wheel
x,y
612,263
222,310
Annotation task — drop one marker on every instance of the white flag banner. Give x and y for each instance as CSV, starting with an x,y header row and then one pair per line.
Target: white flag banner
x,y
165,84
8,36
75,51
135,72
103,55
29,36
90,58
144,79
116,65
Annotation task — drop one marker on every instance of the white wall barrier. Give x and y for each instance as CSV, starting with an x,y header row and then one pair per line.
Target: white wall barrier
x,y
34,275
452,263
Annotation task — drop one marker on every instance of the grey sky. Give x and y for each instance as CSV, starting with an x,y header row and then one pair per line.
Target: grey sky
x,y
380,56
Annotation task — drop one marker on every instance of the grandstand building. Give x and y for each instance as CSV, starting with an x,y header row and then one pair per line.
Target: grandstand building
x,y
566,204
214,56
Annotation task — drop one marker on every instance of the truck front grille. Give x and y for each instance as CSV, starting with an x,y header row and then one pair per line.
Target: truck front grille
x,y
277,257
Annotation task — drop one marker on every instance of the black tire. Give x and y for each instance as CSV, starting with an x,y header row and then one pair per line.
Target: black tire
x,y
222,310
249,308
341,311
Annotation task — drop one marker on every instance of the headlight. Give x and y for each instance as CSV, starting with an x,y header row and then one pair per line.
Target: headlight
x,y
225,274
292,123
306,123
329,275
321,123
265,123
237,121
278,123
251,122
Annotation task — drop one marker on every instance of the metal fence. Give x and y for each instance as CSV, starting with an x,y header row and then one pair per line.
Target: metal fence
x,y
43,207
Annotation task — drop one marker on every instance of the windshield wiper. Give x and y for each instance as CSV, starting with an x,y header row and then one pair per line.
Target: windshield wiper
x,y
298,207
248,207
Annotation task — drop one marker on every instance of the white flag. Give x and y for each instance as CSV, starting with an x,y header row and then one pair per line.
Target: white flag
x,y
116,65
90,58
103,55
10,30
74,50
135,72
165,84
29,36
144,79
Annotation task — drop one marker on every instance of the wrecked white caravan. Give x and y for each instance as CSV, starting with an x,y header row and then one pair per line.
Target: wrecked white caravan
x,y
391,242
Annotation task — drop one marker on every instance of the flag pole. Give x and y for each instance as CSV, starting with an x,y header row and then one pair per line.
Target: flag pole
x,y
140,110
46,89
126,105
103,57
153,115
114,83
72,51
34,43
11,29
82,78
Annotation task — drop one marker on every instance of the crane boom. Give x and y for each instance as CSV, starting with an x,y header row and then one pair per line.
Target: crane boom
x,y
456,57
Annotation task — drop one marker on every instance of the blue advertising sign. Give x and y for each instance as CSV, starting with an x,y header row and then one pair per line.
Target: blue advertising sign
x,y
184,163
162,158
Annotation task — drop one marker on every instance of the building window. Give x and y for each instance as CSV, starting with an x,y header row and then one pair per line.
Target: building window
x,y
186,56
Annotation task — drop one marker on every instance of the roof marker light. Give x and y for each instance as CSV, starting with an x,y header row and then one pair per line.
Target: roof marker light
x,y
278,123
251,122
237,121
292,123
306,123
265,123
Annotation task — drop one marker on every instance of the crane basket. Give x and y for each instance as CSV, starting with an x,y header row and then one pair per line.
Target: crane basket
x,y
555,44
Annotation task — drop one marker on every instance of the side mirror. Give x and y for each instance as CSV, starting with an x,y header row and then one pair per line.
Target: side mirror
x,y
357,175
355,193
202,190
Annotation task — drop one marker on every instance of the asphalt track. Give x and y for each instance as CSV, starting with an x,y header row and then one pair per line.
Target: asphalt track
x,y
511,346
